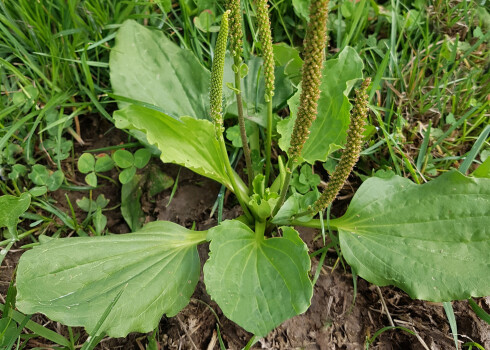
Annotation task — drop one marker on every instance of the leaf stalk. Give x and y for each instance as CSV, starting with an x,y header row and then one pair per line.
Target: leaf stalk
x,y
268,143
236,189
290,166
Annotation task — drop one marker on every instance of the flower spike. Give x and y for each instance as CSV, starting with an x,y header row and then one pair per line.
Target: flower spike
x,y
236,33
217,71
314,48
351,152
265,39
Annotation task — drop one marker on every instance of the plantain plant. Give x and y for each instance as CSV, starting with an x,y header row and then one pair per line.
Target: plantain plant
x,y
430,240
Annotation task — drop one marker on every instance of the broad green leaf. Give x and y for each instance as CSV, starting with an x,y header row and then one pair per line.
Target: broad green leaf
x,y
430,240
233,133
8,330
11,208
91,179
301,8
126,175
328,132
101,201
157,180
73,280
18,170
131,202
38,191
123,158
295,204
141,158
205,21
90,205
86,163
39,175
188,142
288,57
304,179
55,180
104,163
147,66
483,169
100,221
257,282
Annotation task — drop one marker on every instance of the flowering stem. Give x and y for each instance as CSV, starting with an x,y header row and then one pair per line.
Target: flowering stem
x,y
351,153
241,123
265,38
216,106
260,227
236,47
315,42
314,47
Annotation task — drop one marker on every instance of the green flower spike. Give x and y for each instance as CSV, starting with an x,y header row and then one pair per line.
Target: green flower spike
x,y
314,47
351,152
217,71
265,39
236,32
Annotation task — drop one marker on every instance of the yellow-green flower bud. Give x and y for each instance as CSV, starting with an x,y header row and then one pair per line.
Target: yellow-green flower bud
x,y
217,70
314,48
265,39
236,32
351,152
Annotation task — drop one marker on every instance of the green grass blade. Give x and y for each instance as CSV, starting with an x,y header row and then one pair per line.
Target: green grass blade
x,y
220,339
15,336
38,329
479,311
379,75
371,340
474,150
357,21
471,344
174,188
56,100
448,308
455,125
251,342
423,148
82,61
97,104
15,127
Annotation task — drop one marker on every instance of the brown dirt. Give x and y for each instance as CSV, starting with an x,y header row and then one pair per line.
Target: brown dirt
x,y
333,320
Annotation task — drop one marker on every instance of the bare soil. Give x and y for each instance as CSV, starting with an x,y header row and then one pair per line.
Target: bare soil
x,y
334,320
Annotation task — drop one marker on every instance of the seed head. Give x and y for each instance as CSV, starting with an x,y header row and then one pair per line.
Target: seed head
x,y
314,48
350,155
265,39
236,32
217,70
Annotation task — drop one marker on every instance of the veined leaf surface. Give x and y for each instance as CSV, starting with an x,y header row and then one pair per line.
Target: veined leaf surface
x,y
257,282
188,142
11,208
73,280
328,132
430,240
147,66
